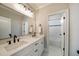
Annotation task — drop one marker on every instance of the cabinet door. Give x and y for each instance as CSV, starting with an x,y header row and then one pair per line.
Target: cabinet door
x,y
24,51
41,48
34,50
37,48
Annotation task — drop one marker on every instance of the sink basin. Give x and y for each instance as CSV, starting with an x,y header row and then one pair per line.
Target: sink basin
x,y
15,45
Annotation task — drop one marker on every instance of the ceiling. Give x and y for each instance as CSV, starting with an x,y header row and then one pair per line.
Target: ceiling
x,y
38,5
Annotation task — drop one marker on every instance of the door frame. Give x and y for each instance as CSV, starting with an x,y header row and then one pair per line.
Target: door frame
x,y
67,30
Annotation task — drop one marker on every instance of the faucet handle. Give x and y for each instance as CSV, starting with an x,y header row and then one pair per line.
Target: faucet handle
x,y
10,35
18,40
9,42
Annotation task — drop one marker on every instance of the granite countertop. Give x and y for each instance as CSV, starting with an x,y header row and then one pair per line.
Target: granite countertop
x,y
7,50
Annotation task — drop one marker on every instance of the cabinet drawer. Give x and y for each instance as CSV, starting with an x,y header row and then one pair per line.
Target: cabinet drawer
x,y
33,52
34,49
37,48
36,44
41,48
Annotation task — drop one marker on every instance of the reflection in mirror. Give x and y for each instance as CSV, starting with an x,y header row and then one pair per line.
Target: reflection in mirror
x,y
12,23
25,26
5,27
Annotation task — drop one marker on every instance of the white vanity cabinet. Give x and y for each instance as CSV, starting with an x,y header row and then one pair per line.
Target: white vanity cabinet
x,y
34,49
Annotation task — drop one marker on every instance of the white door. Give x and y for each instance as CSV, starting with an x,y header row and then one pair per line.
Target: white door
x,y
57,31
63,30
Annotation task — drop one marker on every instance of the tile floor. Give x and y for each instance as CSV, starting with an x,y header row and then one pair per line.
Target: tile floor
x,y
53,51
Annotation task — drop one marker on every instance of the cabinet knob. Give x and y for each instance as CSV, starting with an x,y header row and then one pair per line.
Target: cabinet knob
x,y
36,44
36,50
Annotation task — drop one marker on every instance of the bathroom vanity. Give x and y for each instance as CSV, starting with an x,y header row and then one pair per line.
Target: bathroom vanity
x,y
27,46
17,23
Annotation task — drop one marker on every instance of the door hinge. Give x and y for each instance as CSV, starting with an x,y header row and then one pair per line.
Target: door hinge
x,y
63,49
63,17
64,33
24,23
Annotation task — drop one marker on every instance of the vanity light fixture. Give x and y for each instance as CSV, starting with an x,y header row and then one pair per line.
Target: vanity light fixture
x,y
22,8
28,12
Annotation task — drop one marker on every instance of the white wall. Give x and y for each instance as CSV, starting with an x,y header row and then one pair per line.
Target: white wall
x,y
74,29
42,16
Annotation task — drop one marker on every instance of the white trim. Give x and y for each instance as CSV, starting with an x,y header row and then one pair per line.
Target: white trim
x,y
61,11
42,6
67,29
